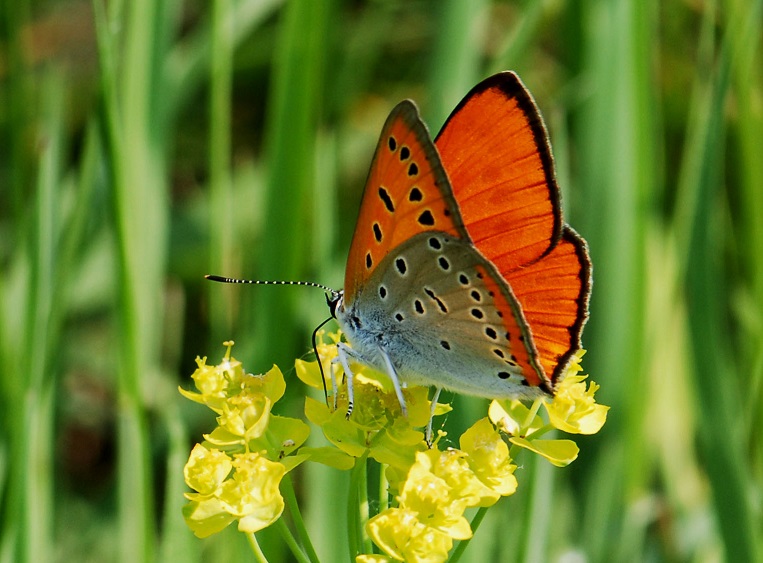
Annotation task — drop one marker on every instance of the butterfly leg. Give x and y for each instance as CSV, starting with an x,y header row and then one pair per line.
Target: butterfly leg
x,y
332,373
392,373
435,397
343,352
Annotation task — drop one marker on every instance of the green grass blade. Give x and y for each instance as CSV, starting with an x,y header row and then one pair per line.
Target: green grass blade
x,y
293,116
220,184
616,131
706,288
455,62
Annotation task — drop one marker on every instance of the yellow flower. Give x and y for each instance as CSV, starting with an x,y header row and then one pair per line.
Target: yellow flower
x,y
252,494
574,409
237,471
377,425
435,502
206,469
403,537
488,457
524,425
215,383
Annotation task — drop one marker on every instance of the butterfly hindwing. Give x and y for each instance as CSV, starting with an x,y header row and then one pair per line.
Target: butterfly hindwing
x,y
438,310
407,192
554,295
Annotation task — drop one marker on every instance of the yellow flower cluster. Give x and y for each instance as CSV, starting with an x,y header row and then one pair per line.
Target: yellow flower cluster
x,y
435,492
236,472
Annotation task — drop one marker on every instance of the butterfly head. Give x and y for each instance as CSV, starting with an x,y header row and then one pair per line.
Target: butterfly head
x,y
334,300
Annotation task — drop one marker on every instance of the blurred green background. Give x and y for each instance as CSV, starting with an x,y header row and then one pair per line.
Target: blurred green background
x,y
146,143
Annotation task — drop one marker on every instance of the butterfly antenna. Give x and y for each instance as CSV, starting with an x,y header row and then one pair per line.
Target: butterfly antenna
x,y
223,279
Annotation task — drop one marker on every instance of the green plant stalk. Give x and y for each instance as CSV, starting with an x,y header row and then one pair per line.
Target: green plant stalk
x,y
188,61
177,541
291,541
287,488
292,120
36,468
256,550
220,188
517,44
538,512
355,523
615,136
463,544
138,210
455,61
748,84
704,284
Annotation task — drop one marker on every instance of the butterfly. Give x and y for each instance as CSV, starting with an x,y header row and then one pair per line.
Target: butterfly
x,y
461,273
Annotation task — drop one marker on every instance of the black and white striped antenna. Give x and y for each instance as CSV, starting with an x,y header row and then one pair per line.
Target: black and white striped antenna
x,y
223,279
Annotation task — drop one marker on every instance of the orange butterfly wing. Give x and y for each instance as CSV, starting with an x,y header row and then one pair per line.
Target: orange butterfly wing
x,y
496,151
495,148
554,295
407,192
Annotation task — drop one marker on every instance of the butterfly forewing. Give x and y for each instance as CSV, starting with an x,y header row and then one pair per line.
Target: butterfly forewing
x,y
495,148
407,192
436,307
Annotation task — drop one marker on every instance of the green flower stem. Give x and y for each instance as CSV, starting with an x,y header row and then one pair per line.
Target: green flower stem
x,y
475,523
354,517
291,541
533,413
287,488
383,488
363,509
258,554
540,432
